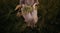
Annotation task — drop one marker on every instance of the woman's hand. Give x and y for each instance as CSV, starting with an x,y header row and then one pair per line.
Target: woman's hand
x,y
18,7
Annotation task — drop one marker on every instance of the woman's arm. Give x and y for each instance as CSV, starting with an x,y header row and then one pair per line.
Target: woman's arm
x,y
18,7
21,2
36,1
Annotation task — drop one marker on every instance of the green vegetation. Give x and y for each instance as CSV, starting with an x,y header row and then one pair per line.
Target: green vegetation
x,y
27,9
49,22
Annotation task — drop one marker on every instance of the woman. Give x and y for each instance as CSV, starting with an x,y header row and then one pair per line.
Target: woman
x,y
31,18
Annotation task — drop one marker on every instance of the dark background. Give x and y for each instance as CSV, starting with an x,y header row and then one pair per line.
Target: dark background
x,y
48,13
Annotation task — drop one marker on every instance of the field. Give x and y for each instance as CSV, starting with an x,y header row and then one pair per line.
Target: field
x,y
48,11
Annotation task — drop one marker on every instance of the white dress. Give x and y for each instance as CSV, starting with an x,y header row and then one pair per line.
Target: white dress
x,y
31,17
